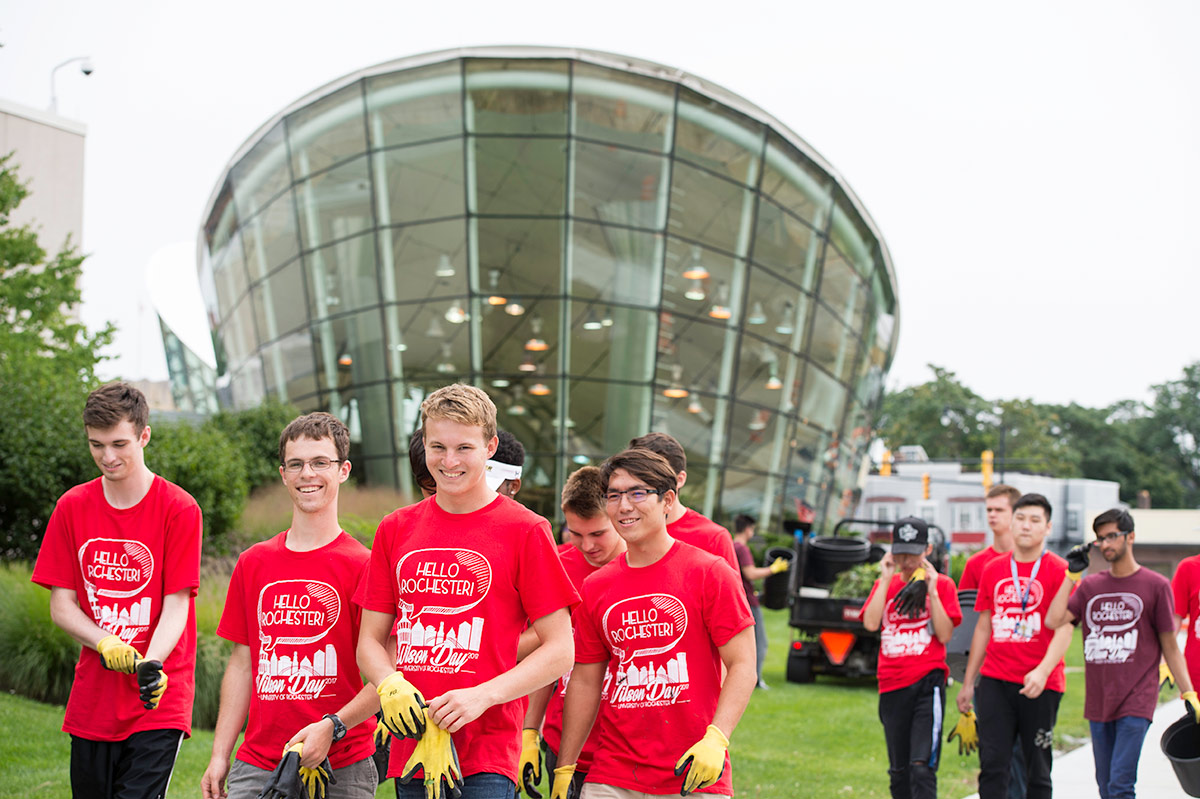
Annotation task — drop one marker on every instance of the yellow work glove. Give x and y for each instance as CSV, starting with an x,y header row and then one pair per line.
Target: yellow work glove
x,y
152,682
704,762
967,732
530,765
435,754
779,565
316,780
1193,705
117,655
403,707
565,786
382,734
1165,677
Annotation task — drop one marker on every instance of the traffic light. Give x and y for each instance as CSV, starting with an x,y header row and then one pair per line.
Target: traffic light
x,y
925,486
985,467
885,465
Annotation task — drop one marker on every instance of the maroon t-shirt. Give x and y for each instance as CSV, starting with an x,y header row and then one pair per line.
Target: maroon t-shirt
x,y
1121,618
745,558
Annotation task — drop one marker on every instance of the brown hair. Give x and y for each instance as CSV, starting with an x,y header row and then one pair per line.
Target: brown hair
x,y
1002,490
416,462
642,464
463,404
583,494
317,426
109,405
664,445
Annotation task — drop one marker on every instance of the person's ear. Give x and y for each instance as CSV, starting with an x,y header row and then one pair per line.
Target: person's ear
x,y
680,479
344,472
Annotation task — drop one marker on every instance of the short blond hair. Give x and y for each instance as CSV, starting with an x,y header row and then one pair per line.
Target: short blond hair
x,y
463,404
583,493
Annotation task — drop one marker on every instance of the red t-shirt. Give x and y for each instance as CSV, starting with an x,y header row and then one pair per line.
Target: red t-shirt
x,y
578,569
908,648
464,586
659,628
1019,641
1121,618
294,611
974,567
1185,586
703,533
121,563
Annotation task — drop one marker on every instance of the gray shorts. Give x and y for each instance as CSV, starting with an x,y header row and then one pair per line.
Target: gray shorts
x,y
593,790
355,781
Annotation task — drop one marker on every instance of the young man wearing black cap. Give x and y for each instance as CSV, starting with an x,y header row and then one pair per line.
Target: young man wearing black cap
x,y
917,610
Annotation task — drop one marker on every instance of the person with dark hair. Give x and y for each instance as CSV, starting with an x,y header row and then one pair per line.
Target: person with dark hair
x,y
121,557
505,467
291,678
999,505
416,463
660,620
1017,658
743,527
1128,620
685,524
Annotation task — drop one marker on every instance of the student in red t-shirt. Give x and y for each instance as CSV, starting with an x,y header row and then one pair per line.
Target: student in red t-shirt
x,y
1185,589
464,570
1129,624
294,628
1017,657
685,524
999,504
594,542
912,659
661,618
121,557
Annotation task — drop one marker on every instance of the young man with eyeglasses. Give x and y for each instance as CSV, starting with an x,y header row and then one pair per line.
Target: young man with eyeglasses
x,y
121,557
1017,658
661,618
1128,619
464,570
292,677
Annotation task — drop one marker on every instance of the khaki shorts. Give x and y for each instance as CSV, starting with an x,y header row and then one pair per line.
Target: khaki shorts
x,y
355,781
594,790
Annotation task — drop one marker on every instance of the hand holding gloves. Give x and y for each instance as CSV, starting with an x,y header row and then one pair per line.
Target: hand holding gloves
x,y
284,782
117,655
1077,561
911,599
567,784
152,682
703,762
403,707
779,565
529,769
435,754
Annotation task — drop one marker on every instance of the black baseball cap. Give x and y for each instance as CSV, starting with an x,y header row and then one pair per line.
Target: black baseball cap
x,y
910,536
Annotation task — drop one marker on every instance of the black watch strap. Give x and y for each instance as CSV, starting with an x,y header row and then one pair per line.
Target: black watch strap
x,y
339,729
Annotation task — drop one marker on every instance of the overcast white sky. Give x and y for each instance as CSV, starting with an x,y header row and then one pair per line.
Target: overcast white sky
x,y
1032,165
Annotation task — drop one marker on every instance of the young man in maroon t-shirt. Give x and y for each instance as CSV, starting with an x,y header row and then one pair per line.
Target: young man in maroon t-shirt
x,y
464,570
999,505
1128,624
292,677
121,557
685,524
662,618
1017,658
912,657
743,531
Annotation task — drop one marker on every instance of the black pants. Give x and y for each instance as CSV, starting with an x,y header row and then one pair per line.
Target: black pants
x,y
912,727
1004,717
137,768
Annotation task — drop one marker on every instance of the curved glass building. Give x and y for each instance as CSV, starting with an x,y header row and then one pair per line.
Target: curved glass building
x,y
606,245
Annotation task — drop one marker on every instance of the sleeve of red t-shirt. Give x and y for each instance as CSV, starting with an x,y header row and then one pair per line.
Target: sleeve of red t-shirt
x,y
232,626
377,590
56,565
987,586
182,545
542,583
949,596
1180,587
726,611
589,644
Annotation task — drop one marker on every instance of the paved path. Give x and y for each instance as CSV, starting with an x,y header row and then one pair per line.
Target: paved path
x,y
1075,777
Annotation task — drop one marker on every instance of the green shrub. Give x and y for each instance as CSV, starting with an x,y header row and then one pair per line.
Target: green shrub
x,y
255,432
38,657
212,654
855,582
206,464
958,561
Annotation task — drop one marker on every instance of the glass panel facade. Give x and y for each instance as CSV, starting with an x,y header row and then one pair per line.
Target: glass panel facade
x,y
605,250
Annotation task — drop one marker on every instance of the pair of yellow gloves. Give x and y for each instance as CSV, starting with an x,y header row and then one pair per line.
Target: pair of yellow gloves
x,y
289,777
120,656
405,715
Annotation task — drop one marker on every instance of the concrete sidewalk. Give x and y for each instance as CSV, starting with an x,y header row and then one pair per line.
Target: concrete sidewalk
x,y
1075,777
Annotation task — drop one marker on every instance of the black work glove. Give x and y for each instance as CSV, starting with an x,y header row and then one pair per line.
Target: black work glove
x,y
285,779
911,599
152,682
1077,560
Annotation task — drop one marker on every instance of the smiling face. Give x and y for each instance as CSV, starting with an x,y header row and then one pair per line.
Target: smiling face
x,y
311,490
119,452
594,536
456,455
637,522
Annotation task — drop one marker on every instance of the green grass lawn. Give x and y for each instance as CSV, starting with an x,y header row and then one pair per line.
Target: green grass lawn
x,y
818,740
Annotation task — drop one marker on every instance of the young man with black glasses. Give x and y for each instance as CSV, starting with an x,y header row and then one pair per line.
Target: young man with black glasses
x,y
1128,619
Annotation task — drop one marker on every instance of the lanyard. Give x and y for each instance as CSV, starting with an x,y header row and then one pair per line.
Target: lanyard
x,y
1037,564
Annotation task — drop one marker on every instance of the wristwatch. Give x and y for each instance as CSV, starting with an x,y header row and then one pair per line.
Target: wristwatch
x,y
339,729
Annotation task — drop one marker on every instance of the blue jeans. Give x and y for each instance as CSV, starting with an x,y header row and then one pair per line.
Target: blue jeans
x,y
484,785
1117,747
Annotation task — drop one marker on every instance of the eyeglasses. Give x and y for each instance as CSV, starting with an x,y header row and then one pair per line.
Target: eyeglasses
x,y
636,495
317,464
1105,539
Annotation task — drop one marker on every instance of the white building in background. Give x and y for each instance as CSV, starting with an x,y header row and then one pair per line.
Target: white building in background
x,y
956,500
